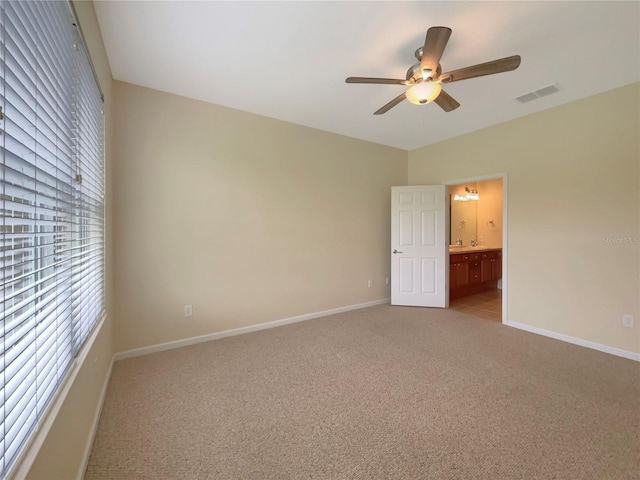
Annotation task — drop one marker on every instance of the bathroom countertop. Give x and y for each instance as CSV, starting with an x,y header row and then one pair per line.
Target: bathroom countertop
x,y
468,249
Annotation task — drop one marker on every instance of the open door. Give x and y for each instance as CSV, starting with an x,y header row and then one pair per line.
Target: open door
x,y
419,250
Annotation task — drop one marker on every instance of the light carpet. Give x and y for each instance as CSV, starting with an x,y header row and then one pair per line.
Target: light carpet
x,y
379,393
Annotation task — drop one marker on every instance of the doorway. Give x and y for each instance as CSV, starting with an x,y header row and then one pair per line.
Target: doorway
x,y
477,279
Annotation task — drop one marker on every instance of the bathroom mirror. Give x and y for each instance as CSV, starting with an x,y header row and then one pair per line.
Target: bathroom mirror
x,y
464,222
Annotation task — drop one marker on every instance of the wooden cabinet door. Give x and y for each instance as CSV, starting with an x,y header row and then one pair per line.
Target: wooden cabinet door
x,y
497,267
491,268
486,269
452,275
462,274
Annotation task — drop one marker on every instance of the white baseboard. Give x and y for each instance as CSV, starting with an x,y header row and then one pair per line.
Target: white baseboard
x,y
576,341
94,425
239,331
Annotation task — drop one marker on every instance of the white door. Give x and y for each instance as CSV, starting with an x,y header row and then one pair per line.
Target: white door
x,y
419,260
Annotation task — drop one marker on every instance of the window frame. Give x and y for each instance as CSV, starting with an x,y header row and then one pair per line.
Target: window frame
x,y
84,332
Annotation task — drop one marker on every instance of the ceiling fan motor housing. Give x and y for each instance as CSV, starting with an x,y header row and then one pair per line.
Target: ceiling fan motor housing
x,y
414,72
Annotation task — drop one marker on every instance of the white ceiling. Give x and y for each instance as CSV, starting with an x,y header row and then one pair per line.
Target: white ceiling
x,y
288,60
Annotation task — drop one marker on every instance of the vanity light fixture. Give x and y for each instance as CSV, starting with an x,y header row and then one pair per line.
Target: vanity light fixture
x,y
469,195
472,194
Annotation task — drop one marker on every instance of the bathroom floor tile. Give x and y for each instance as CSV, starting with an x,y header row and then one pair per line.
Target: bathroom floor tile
x,y
486,305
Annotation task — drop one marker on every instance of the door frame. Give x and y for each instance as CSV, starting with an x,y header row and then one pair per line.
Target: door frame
x,y
505,243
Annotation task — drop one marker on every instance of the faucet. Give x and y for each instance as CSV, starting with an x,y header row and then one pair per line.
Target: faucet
x,y
459,242
474,243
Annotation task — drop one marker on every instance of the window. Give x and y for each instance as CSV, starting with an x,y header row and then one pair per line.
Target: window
x,y
51,209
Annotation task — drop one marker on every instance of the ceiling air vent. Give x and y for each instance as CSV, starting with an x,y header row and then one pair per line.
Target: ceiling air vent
x,y
542,92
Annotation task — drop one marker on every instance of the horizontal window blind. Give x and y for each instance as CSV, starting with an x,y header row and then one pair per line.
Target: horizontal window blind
x,y
51,207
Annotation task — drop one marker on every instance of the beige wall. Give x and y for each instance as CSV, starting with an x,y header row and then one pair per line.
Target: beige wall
x,y
573,198
61,456
246,218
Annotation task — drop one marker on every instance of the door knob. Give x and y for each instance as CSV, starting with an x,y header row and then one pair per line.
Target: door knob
x,y
396,251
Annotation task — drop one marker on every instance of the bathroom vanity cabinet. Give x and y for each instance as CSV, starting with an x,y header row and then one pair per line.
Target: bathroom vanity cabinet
x,y
473,270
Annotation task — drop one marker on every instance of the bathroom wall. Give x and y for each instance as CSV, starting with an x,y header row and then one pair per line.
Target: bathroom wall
x,y
463,216
490,210
476,215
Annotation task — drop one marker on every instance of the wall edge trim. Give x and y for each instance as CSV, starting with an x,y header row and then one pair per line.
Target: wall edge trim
x,y
94,424
576,341
136,352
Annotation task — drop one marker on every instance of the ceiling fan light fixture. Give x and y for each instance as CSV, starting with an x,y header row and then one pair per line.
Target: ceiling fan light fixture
x,y
424,79
424,92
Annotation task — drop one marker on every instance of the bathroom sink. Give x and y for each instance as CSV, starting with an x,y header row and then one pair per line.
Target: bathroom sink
x,y
468,247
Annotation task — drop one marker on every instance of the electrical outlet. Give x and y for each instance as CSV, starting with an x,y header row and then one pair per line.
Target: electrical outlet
x,y
369,283
188,310
386,281
627,320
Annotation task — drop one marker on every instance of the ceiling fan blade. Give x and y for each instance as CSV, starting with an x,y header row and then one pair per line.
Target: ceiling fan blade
x,y
489,68
391,104
446,101
434,45
383,81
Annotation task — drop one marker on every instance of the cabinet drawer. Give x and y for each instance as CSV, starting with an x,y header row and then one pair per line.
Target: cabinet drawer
x,y
489,255
474,275
474,256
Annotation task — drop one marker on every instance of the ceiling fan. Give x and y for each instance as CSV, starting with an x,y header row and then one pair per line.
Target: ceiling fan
x,y
425,78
